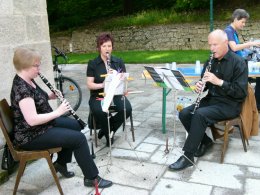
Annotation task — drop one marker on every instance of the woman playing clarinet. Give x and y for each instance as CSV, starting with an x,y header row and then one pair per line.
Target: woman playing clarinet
x,y
96,70
38,127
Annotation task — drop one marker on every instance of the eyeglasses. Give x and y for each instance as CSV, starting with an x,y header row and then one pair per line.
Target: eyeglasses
x,y
36,65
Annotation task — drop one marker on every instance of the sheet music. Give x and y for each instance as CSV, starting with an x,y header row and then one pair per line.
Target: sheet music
x,y
171,81
115,84
122,86
168,78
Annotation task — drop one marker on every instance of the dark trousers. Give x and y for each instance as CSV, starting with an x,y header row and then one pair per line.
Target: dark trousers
x,y
257,92
206,115
115,120
66,134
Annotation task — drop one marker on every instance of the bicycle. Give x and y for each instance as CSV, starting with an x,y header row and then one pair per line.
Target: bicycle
x,y
69,88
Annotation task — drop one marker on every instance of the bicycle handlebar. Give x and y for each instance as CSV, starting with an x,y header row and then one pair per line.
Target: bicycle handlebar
x,y
60,53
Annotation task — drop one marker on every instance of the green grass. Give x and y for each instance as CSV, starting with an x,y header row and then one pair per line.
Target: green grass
x,y
147,57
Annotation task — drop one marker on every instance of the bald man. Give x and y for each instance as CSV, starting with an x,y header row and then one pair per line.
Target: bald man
x,y
226,82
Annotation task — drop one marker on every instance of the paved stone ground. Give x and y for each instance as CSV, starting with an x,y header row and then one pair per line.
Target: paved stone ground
x,y
140,167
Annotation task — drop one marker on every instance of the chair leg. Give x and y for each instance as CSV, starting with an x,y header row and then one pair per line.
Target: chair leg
x,y
123,126
95,131
54,174
215,133
242,138
21,169
132,127
225,144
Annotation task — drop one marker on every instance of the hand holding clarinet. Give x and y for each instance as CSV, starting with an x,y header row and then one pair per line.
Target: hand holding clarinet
x,y
65,106
207,77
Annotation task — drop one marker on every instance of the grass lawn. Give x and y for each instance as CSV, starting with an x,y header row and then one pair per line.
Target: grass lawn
x,y
147,57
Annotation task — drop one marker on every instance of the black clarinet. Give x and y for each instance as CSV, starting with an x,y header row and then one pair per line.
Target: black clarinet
x,y
108,61
58,95
208,68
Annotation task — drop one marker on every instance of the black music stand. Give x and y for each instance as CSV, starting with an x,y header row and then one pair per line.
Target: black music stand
x,y
171,79
167,78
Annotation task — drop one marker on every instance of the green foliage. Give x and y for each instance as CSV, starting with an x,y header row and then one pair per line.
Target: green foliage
x,y
107,14
146,18
188,5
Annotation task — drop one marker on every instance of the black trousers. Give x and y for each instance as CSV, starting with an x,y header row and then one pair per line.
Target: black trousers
x,y
115,120
66,134
206,115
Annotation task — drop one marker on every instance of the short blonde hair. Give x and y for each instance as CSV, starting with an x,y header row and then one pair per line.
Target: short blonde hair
x,y
25,57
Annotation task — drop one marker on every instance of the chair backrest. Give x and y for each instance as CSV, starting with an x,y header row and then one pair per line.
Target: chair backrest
x,y
6,124
249,114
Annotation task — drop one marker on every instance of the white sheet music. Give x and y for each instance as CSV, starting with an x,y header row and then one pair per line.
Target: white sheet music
x,y
115,84
171,78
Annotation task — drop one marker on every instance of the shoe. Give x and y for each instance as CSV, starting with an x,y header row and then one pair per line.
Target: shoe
x,y
112,140
203,149
181,163
100,134
63,170
102,183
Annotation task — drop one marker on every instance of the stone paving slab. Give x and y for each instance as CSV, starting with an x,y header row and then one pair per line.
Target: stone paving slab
x,y
170,187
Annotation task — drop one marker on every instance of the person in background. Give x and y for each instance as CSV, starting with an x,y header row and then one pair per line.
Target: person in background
x,y
226,82
38,127
96,70
239,19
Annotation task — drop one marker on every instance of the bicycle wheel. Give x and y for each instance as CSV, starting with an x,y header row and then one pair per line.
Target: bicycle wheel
x,y
71,92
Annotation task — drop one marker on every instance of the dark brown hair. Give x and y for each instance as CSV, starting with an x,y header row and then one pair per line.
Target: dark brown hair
x,y
240,14
104,37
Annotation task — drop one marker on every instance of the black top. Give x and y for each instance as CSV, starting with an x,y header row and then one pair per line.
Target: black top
x,y
233,71
96,68
23,132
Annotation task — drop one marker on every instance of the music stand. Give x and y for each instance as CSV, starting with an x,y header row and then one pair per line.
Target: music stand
x,y
167,78
115,84
171,79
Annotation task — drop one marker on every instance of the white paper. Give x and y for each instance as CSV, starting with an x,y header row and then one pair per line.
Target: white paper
x,y
115,84
174,82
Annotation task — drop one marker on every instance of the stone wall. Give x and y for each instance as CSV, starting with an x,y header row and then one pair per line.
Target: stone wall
x,y
164,37
22,23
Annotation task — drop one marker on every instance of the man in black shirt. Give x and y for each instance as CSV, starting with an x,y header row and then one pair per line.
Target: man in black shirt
x,y
226,82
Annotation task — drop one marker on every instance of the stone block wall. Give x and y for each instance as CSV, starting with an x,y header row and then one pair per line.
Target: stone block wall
x,y
161,37
22,23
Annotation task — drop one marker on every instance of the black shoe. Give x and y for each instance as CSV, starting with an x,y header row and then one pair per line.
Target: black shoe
x,y
203,149
112,140
100,134
63,170
102,183
181,163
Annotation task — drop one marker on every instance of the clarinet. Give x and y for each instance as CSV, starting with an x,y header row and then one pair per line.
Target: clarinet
x,y
58,95
108,61
208,68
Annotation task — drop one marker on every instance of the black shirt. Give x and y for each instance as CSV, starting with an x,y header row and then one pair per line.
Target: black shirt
x,y
23,132
96,68
233,71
